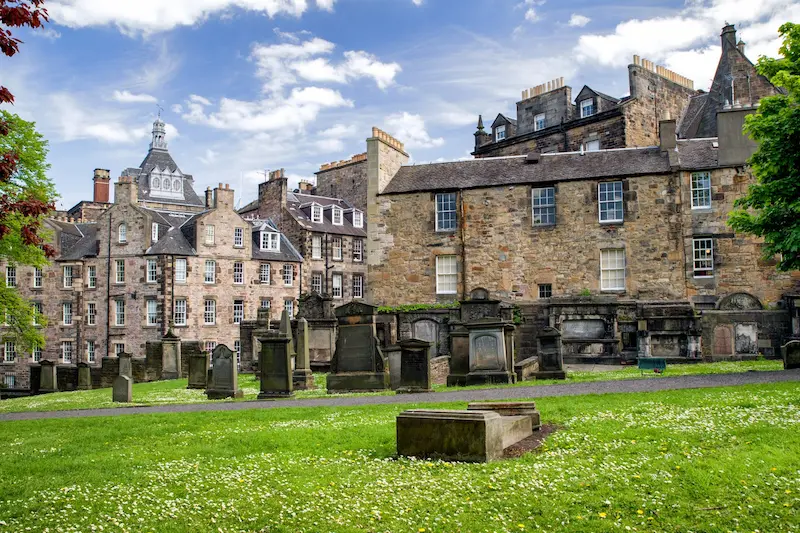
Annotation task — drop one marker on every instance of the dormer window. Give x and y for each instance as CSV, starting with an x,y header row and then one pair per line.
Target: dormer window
x,y
358,219
270,241
336,216
500,133
316,213
156,183
122,233
587,107
539,122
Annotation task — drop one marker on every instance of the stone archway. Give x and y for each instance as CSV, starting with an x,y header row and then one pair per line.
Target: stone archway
x,y
739,301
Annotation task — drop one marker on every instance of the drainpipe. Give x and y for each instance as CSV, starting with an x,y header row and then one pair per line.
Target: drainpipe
x,y
461,227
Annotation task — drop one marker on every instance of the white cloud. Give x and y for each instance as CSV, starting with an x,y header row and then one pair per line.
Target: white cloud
x,y
531,15
340,130
128,97
46,33
578,21
176,108
150,16
209,156
416,2
410,129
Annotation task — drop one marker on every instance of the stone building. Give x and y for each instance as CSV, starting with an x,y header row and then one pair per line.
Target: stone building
x,y
156,259
330,234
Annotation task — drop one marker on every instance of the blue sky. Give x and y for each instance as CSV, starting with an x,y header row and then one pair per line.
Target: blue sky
x,y
254,85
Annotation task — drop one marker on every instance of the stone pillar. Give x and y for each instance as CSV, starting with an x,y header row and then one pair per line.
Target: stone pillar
x,y
286,330
84,376
276,368
170,357
302,377
551,361
48,380
125,365
198,370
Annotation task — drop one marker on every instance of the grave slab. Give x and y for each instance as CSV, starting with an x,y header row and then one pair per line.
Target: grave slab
x,y
122,389
276,368
791,355
415,368
224,375
198,371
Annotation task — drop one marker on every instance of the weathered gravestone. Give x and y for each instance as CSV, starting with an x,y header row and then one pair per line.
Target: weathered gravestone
x,y
723,340
459,356
357,363
84,376
170,356
318,311
491,358
275,367
551,362
122,389
125,365
48,382
791,355
415,368
302,377
224,375
198,370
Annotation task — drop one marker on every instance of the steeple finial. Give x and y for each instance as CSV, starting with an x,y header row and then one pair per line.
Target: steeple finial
x,y
159,141
480,122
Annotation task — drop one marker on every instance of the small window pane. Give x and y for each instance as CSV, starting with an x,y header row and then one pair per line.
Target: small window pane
x,y
446,274
446,211
545,290
544,206
612,269
610,201
701,190
703,257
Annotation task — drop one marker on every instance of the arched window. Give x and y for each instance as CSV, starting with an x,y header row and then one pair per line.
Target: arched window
x,y
122,233
167,184
176,185
156,183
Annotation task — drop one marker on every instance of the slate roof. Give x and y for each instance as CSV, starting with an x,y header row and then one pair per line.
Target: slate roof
x,y
86,246
287,253
698,154
162,159
299,206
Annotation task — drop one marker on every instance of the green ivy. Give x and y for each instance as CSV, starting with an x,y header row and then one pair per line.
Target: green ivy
x,y
408,308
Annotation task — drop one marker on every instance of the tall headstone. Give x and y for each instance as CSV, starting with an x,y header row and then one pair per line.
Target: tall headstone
x,y
357,363
491,340
459,356
125,365
48,380
551,362
122,389
318,311
302,377
224,375
198,370
415,368
791,355
276,367
84,376
170,356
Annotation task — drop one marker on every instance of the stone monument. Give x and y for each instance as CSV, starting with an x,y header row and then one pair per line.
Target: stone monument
x,y
125,365
791,355
224,375
551,362
198,370
48,379
415,368
317,309
122,389
302,377
170,356
357,363
84,376
275,363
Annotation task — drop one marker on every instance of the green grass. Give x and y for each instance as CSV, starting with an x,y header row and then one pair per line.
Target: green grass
x,y
175,391
695,460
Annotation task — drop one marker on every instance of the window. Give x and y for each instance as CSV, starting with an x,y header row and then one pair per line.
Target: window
x,y
119,312
237,349
337,248
209,234
210,312
545,290
180,270
90,354
703,257
210,345
66,351
544,206
152,271
67,276
66,313
238,273
263,273
358,250
289,306
358,219
500,133
91,314
238,311
36,355
270,241
446,211
120,270
336,291
119,349
210,272
610,198
612,269
91,277
10,352
593,146
316,247
11,276
38,277
337,218
316,282
154,232
446,274
701,190
288,275
152,313
238,237
266,303
38,311
122,233
316,213
9,381
587,107
358,286
539,122
179,314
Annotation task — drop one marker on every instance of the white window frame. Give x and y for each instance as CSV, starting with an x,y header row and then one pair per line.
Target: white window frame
x,y
179,314
211,236
337,244
358,219
336,285
446,274
703,257
119,313
539,118
67,276
610,205
119,348
358,250
288,275
180,270
587,104
289,306
90,351
66,351
238,311
210,272
593,145
10,381
119,271
122,233
264,273
500,133
316,213
67,318
91,313
11,276
9,351
358,286
316,282
38,278
152,271
238,273
316,247
237,349
543,206
36,354
270,241
209,312
444,200
154,232
210,346
608,283
91,277
264,301
337,216
152,312
701,192
238,237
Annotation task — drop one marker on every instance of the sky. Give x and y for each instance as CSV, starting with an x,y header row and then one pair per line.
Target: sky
x,y
248,86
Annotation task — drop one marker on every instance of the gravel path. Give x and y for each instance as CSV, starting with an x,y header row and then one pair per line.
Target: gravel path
x,y
504,393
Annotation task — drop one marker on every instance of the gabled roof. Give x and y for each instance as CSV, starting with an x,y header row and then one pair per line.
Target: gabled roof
x,y
162,159
299,206
586,88
502,119
86,246
171,240
287,253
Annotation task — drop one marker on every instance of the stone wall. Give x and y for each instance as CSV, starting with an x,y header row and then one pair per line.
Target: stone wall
x,y
736,334
347,181
556,106
440,368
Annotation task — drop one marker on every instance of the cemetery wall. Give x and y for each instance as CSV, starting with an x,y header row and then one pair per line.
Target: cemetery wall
x,y
730,334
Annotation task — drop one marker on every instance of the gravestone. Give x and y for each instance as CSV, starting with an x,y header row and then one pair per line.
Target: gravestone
x,y
318,311
427,330
723,340
224,375
740,301
122,389
48,381
791,355
459,356
551,361
286,330
357,363
125,365
170,356
84,376
198,370
415,368
491,359
302,377
276,367
746,338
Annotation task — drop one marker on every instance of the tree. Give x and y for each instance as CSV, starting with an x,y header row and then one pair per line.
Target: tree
x,y
771,208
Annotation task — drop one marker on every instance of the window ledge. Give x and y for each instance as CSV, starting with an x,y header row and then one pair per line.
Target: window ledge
x,y
611,222
446,231
543,226
613,291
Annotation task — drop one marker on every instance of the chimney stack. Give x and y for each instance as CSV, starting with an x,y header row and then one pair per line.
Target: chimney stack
x,y
276,174
126,191
729,35
223,196
209,198
102,185
740,46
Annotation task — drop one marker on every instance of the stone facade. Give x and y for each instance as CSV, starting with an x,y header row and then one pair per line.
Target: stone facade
x,y
345,179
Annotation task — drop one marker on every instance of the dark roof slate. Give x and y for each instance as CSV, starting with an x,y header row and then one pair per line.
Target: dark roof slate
x,y
287,253
162,159
299,206
86,246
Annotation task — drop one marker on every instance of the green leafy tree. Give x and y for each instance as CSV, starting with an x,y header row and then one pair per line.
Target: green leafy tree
x,y
771,208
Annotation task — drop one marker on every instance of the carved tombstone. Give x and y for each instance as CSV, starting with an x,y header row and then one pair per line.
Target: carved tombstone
x,y
427,330
276,367
551,362
740,301
125,365
318,311
491,360
170,357
84,376
791,355
48,380
357,363
198,370
415,367
459,356
224,375
746,338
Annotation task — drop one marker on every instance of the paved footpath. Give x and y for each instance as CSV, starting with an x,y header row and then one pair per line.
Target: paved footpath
x,y
501,393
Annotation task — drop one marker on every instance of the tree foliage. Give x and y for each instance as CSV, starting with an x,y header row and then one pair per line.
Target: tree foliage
x,y
771,208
